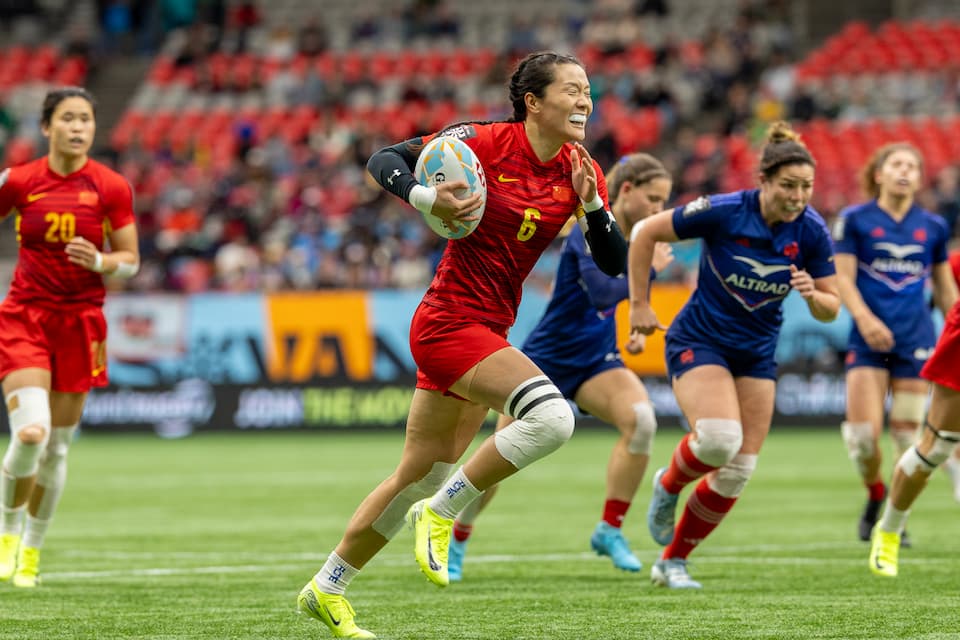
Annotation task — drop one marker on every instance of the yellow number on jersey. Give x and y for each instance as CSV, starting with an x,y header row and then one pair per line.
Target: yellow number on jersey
x,y
98,357
528,227
62,226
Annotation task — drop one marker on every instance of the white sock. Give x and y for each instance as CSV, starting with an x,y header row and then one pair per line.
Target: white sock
x,y
456,493
335,575
893,520
34,532
11,520
469,513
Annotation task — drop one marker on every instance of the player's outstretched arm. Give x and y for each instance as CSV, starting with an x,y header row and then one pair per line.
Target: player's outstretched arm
x,y
607,245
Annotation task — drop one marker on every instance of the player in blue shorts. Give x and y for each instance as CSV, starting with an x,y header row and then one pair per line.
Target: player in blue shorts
x,y
758,244
575,344
887,249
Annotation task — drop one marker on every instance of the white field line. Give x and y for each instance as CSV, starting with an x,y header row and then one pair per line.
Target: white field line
x,y
392,558
294,561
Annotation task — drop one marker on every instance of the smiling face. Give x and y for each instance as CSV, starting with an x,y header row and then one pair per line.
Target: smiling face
x,y
899,175
71,128
561,114
785,194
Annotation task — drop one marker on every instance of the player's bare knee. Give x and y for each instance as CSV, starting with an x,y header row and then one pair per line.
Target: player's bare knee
x,y
543,421
644,428
33,434
718,440
730,479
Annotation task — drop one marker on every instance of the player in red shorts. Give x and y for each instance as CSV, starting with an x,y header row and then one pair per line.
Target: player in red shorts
x,y
52,330
538,175
952,465
941,434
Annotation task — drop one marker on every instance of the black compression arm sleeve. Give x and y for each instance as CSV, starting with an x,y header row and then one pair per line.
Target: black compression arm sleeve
x,y
607,245
392,168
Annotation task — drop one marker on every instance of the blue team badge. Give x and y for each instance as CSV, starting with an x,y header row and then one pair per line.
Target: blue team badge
x,y
699,205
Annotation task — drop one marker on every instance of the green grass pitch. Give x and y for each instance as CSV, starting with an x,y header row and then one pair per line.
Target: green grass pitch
x,y
212,536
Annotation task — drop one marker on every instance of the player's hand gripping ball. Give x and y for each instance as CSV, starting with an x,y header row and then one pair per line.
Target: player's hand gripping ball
x,y
448,159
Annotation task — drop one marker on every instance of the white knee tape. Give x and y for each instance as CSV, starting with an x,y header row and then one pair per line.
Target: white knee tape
x,y
53,462
903,438
718,440
645,426
858,437
391,520
943,446
911,461
730,479
543,422
27,406
908,407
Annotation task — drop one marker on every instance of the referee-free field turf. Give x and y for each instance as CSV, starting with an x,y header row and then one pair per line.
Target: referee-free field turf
x,y
212,537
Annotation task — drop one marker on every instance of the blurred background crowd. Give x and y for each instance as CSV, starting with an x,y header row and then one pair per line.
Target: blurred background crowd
x,y
244,126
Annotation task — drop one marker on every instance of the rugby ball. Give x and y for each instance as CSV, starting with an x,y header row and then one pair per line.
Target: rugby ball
x,y
448,159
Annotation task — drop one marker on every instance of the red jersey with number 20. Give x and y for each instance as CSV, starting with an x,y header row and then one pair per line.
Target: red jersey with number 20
x,y
52,209
528,202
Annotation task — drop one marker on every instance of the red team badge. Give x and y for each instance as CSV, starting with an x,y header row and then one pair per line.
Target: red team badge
x,y
876,232
687,356
920,235
791,250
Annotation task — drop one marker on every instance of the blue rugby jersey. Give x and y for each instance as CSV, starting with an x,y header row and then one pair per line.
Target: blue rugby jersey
x,y
894,262
745,270
579,322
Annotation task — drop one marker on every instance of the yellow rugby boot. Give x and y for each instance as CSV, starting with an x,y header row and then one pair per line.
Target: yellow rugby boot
x,y
432,535
27,575
884,552
9,543
332,610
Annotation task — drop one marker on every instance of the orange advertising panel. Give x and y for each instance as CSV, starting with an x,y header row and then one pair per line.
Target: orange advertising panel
x,y
667,299
311,336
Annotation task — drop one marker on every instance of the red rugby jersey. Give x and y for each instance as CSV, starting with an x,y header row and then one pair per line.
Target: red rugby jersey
x,y
528,202
51,209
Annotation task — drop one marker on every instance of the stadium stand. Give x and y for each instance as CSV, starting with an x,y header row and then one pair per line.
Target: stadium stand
x,y
247,129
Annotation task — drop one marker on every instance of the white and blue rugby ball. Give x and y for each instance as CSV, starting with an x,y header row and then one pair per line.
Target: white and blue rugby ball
x,y
448,159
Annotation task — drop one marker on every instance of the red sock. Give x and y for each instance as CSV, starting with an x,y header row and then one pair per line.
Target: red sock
x,y
684,467
703,512
878,491
614,512
461,531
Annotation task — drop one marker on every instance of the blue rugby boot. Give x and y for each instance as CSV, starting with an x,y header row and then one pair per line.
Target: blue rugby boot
x,y
609,541
662,511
